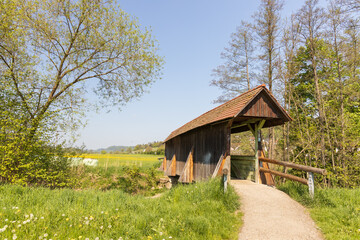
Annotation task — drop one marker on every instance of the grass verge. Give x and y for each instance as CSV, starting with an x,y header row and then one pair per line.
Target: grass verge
x,y
336,211
197,211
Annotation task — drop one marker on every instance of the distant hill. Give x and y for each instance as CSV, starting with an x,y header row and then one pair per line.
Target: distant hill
x,y
156,147
114,148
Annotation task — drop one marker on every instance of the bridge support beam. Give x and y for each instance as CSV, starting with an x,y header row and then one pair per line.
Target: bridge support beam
x,y
255,129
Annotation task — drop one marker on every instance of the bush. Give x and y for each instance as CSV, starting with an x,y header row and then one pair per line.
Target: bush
x,y
34,164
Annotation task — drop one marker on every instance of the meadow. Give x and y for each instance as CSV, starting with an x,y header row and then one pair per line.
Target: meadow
x,y
336,211
198,211
113,201
120,160
132,173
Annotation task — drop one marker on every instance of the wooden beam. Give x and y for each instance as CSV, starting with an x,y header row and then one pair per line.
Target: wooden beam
x,y
187,173
226,169
294,165
244,123
171,171
266,178
164,164
257,173
219,166
251,129
285,175
261,124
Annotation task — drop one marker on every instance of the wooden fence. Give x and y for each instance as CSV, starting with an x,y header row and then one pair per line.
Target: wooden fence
x,y
308,169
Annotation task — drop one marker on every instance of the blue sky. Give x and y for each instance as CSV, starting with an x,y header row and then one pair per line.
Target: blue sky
x,y
191,35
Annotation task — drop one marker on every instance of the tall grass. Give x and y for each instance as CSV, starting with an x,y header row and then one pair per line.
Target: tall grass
x,y
120,160
113,168
197,211
336,211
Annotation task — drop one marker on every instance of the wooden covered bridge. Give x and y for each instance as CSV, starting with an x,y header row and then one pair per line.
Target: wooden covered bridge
x,y
201,148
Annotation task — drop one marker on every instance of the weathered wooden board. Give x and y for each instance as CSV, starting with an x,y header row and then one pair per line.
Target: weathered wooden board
x,y
171,169
294,165
285,175
209,143
187,174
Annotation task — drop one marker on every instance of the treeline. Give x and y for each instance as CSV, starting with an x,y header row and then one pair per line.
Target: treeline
x,y
155,147
310,61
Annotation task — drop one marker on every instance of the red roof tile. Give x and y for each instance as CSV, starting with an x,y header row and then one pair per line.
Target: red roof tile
x,y
225,111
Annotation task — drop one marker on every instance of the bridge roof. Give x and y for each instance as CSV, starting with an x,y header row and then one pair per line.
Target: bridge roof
x,y
257,103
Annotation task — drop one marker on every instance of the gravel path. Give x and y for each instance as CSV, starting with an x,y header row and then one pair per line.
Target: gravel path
x,y
272,215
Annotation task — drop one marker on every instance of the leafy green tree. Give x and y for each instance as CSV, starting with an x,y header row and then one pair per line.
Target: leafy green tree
x,y
53,52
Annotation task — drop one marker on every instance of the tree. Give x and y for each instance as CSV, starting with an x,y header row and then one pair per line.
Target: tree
x,y
311,19
62,47
290,42
234,76
52,53
267,28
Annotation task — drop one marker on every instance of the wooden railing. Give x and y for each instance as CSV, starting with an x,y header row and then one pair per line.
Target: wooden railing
x,y
308,169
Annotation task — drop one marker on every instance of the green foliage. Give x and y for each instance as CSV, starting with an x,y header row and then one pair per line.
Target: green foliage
x,y
335,210
48,51
197,211
25,160
133,181
338,153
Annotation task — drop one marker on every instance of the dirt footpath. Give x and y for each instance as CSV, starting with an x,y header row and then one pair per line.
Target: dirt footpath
x,y
272,215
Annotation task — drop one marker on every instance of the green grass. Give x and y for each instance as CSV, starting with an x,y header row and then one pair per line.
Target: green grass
x,y
133,173
197,211
120,160
336,211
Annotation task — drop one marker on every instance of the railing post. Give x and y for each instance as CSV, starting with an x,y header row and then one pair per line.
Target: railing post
x,y
311,184
226,172
225,179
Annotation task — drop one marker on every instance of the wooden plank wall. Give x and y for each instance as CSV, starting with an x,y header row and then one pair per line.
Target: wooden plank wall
x,y
209,143
262,106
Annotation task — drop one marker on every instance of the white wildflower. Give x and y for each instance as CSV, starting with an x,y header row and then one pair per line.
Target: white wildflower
x,y
14,237
109,226
45,235
63,215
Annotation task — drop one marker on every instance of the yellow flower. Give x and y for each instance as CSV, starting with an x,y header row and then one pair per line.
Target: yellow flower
x,y
80,237
67,219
